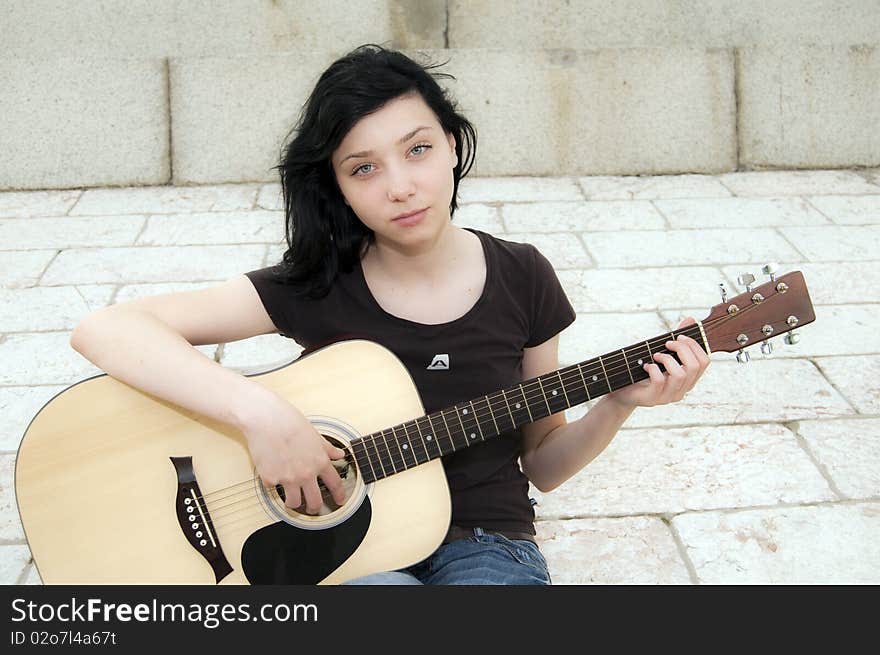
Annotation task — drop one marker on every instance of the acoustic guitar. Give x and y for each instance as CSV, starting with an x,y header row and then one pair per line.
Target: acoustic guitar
x,y
115,486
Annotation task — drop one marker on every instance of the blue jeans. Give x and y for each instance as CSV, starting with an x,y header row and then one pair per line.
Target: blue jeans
x,y
484,559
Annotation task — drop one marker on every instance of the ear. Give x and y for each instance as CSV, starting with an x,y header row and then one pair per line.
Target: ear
x,y
451,138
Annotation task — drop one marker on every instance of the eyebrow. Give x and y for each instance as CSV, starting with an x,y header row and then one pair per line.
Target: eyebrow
x,y
400,141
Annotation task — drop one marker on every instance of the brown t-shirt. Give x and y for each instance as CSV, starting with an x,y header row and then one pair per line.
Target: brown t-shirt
x,y
522,305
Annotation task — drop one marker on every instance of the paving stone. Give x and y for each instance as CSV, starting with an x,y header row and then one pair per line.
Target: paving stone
x,y
857,378
797,183
651,187
69,232
593,335
581,216
674,470
481,217
739,212
213,228
166,199
13,561
517,189
826,544
827,283
10,523
27,204
637,550
269,197
562,250
835,243
96,296
43,358
265,352
23,269
152,264
33,576
687,247
625,290
837,330
274,254
18,406
761,391
849,450
849,210
41,308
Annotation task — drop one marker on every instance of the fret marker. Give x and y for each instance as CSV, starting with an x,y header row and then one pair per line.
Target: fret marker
x,y
554,392
518,405
428,437
405,446
473,436
464,411
640,362
595,377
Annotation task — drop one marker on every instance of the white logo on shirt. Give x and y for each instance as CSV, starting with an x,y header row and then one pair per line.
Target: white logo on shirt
x,y
439,363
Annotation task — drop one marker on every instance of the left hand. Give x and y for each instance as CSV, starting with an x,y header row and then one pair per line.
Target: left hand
x,y
669,387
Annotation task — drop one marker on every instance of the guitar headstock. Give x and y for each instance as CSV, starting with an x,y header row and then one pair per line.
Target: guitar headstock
x,y
766,311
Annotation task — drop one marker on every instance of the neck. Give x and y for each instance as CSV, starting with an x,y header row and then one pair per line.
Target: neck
x,y
426,259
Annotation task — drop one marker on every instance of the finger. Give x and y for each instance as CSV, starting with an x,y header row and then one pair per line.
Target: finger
x,y
333,482
292,498
332,451
677,374
673,368
313,496
684,347
687,320
655,374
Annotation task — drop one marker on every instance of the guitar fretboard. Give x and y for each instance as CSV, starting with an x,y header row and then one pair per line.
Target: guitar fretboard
x,y
449,430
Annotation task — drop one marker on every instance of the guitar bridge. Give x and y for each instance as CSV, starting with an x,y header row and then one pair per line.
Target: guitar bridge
x,y
195,520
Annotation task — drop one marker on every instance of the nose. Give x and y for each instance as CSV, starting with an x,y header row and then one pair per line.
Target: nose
x,y
400,184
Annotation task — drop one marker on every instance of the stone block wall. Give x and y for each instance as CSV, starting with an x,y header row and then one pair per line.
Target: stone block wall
x,y
112,93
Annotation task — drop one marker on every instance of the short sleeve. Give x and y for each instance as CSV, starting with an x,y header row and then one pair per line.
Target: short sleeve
x,y
551,311
274,295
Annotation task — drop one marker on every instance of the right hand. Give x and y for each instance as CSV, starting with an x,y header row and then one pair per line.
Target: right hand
x,y
287,450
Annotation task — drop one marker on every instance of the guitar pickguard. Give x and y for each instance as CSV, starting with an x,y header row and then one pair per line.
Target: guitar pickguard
x,y
285,554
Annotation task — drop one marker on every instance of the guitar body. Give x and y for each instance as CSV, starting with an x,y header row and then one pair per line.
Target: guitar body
x,y
113,485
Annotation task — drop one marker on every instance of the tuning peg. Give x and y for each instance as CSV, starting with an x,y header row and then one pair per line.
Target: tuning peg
x,y
791,338
770,269
746,279
742,356
723,292
766,349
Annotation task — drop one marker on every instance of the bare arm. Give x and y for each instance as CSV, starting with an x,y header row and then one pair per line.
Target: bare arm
x,y
554,450
149,344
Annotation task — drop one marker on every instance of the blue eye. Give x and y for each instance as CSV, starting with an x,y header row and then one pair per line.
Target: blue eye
x,y
360,172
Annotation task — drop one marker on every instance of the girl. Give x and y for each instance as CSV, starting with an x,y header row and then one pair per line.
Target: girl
x,y
370,185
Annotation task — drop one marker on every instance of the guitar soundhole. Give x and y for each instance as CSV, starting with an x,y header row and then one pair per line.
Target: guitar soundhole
x,y
346,467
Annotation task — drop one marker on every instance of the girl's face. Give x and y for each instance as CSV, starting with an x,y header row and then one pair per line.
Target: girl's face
x,y
394,162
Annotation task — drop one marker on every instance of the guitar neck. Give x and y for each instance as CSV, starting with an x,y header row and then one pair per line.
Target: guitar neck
x,y
449,430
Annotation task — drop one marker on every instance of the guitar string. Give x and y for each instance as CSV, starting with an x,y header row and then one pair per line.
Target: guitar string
x,y
610,372
534,393
616,372
325,493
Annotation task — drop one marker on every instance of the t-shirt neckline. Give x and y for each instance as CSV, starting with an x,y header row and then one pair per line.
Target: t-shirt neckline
x,y
490,271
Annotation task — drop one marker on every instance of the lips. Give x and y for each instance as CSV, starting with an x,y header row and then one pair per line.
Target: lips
x,y
408,214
